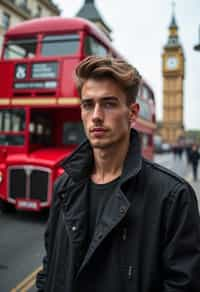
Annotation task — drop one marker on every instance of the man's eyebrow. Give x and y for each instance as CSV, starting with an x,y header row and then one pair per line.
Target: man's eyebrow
x,y
104,98
112,97
86,99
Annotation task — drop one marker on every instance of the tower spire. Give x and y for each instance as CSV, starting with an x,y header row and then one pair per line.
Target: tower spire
x,y
173,20
173,39
173,7
89,1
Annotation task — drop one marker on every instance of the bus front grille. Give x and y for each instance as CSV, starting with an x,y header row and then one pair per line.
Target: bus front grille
x,y
39,185
28,183
17,182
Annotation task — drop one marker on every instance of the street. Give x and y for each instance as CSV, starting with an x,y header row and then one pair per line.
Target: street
x,y
21,241
181,167
21,247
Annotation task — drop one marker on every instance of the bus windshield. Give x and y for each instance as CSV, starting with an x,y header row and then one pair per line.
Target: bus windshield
x,y
12,126
20,48
60,45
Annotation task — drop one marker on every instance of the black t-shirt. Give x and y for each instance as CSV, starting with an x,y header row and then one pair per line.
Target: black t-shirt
x,y
99,194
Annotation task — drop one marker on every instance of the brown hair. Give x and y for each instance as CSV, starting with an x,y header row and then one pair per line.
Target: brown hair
x,y
98,68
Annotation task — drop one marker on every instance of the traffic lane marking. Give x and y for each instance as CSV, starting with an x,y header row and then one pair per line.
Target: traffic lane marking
x,y
25,283
188,178
28,286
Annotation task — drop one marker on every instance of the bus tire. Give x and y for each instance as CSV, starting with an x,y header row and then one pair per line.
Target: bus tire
x,y
6,207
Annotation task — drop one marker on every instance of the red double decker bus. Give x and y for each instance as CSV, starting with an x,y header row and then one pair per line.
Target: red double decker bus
x,y
39,106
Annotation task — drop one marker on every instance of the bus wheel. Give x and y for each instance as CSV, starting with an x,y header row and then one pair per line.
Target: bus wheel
x,y
6,207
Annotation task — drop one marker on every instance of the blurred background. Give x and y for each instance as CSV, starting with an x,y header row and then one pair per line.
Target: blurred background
x,y
41,42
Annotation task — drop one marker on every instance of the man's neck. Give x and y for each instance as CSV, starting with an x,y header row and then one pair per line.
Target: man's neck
x,y
108,162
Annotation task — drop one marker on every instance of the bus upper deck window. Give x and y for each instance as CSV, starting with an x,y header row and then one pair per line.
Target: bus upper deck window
x,y
93,47
53,45
20,48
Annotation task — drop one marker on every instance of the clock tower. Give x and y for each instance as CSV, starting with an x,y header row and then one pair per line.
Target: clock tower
x,y
173,81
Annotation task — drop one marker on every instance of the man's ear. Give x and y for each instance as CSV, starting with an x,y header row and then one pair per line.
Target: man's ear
x,y
134,111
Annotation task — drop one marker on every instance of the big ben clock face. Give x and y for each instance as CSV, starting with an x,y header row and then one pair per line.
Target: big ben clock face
x,y
172,63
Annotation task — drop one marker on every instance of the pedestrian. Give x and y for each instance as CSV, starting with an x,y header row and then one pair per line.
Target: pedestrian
x,y
180,151
194,158
188,152
174,150
118,222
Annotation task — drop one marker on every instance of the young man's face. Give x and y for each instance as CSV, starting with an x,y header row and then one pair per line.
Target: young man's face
x,y
105,114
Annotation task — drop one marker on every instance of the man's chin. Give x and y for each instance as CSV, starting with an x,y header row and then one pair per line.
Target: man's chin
x,y
99,144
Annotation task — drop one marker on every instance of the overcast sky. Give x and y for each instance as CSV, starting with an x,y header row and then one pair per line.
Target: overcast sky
x,y
140,29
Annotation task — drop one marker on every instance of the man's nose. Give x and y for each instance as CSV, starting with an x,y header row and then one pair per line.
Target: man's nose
x,y
97,113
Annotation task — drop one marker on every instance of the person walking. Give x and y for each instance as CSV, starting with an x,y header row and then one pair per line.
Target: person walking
x,y
118,222
194,158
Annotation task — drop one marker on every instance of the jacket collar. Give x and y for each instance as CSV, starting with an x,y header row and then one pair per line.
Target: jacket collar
x,y
80,163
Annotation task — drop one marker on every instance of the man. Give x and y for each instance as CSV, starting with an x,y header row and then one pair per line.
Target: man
x,y
194,159
118,223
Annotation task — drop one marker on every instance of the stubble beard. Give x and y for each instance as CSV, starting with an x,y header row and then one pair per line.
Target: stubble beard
x,y
108,144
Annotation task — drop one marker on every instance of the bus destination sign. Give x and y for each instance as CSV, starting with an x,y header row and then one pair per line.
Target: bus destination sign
x,y
44,70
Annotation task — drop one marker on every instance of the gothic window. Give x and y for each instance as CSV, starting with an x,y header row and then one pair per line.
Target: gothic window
x,y
6,20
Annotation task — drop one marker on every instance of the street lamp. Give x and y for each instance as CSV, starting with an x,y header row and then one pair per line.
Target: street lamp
x,y
197,47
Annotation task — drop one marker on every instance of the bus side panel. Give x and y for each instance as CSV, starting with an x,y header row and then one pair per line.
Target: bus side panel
x,y
6,79
3,184
67,84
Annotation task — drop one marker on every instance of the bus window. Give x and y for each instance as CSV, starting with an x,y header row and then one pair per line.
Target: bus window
x,y
60,45
145,110
146,140
93,47
17,140
40,129
20,48
73,133
147,93
12,120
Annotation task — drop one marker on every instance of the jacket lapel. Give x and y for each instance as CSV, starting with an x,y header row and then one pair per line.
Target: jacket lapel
x,y
75,215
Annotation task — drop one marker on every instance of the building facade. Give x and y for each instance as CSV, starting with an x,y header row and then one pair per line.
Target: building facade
x,y
173,87
16,11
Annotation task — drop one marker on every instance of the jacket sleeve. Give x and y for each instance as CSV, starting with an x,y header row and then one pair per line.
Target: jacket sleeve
x,y
181,255
42,275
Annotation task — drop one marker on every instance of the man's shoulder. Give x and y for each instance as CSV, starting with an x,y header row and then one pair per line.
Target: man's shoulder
x,y
162,177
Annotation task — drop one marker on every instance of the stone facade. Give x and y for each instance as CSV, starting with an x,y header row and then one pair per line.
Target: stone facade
x,y
16,11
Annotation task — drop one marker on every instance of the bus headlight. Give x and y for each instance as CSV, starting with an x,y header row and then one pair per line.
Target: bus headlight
x,y
1,176
60,171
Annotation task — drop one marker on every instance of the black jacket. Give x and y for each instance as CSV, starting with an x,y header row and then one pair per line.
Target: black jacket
x,y
148,239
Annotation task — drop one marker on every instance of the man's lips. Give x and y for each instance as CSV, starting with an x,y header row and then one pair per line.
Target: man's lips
x,y
98,131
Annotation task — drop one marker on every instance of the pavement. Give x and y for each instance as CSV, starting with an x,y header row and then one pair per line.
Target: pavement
x,y
196,186
182,168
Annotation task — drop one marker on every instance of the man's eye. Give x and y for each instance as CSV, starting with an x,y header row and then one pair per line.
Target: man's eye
x,y
87,106
110,105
